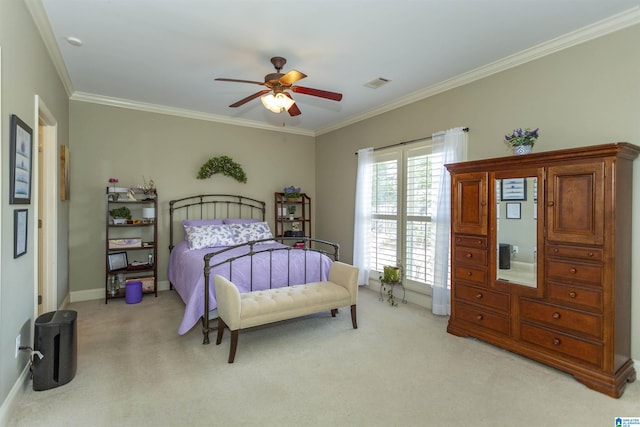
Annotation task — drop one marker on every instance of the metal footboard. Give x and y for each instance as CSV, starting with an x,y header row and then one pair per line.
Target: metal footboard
x,y
305,244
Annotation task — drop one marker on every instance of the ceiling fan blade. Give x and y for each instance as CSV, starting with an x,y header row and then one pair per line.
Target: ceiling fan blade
x,y
291,77
293,110
249,98
239,81
317,92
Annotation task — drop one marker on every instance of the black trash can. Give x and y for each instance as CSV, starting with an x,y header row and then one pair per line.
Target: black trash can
x,y
55,338
504,258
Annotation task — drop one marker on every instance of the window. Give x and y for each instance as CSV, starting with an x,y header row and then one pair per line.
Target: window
x,y
404,197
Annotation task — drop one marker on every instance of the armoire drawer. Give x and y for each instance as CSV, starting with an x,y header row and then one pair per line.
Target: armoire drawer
x,y
484,297
561,318
471,256
471,241
470,275
591,254
574,272
561,343
575,295
483,318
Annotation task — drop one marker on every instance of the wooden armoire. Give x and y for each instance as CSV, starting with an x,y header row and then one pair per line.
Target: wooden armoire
x,y
563,298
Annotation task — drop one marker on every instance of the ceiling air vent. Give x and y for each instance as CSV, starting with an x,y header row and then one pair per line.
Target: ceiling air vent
x,y
376,83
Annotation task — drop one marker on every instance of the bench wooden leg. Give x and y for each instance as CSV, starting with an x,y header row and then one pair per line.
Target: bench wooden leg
x,y
221,326
353,317
234,345
334,311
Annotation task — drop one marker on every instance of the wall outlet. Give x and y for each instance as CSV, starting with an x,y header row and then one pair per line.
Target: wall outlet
x,y
17,345
515,249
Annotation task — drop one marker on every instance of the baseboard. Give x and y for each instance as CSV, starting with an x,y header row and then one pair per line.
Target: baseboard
x,y
98,293
19,386
65,302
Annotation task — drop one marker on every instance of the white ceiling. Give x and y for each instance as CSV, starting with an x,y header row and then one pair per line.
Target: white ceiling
x,y
163,55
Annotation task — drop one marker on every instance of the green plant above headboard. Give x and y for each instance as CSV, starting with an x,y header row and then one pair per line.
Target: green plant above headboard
x,y
224,165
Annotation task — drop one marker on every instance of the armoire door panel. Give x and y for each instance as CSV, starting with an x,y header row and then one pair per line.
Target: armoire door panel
x,y
575,203
470,210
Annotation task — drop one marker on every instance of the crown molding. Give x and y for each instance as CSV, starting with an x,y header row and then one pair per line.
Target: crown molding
x,y
190,114
46,33
599,29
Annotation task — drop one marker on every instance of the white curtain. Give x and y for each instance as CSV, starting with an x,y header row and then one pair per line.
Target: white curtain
x,y
453,146
362,221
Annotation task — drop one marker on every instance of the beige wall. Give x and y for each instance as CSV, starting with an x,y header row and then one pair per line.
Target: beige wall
x,y
586,95
128,144
26,71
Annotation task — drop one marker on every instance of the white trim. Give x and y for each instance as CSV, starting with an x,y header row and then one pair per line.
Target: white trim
x,y
161,109
598,29
49,191
39,16
19,386
582,35
98,293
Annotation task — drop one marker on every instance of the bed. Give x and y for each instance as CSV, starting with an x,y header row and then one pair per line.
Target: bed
x,y
201,246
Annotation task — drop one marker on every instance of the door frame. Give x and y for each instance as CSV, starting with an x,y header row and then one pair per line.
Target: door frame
x,y
48,194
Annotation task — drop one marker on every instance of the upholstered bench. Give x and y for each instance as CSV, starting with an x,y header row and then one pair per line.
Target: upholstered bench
x,y
243,310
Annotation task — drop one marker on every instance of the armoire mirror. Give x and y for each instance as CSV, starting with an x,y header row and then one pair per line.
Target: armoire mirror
x,y
516,230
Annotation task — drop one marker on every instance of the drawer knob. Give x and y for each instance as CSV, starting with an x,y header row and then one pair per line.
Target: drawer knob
x,y
479,242
556,315
591,254
479,295
556,250
469,255
479,317
458,240
573,294
556,341
550,203
469,273
572,270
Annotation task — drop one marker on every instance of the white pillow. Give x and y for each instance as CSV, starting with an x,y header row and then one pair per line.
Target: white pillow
x,y
243,233
208,236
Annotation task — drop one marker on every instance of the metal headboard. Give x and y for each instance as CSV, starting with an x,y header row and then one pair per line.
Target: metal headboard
x,y
212,206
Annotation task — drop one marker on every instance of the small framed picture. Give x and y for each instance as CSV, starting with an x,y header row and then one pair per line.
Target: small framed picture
x,y
20,232
117,261
513,211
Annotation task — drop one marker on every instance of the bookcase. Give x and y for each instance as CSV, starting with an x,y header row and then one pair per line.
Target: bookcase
x,y
130,243
292,216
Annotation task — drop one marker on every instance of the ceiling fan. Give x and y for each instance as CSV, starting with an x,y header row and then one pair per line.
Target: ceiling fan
x,y
275,97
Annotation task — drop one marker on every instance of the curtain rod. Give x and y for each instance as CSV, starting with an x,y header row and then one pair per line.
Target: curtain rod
x,y
409,142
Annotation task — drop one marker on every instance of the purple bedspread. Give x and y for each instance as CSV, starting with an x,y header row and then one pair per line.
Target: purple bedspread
x,y
186,273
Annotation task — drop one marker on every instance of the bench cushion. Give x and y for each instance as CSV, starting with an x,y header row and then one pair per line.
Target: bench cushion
x,y
272,305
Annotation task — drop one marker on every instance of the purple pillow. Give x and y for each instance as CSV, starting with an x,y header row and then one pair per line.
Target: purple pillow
x,y
200,222
239,220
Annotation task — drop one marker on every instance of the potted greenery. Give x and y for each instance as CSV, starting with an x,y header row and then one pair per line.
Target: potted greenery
x,y
120,215
522,141
390,277
292,193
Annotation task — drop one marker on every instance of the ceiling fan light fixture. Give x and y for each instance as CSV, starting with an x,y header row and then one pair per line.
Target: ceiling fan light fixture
x,y
276,103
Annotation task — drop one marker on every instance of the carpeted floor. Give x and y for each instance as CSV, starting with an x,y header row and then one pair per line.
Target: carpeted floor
x,y
399,368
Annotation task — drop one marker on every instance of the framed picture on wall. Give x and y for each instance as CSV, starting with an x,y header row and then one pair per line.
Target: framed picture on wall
x,y
514,189
20,232
513,211
21,145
